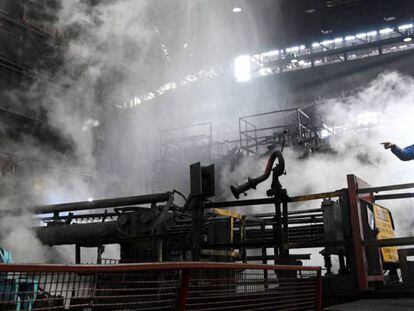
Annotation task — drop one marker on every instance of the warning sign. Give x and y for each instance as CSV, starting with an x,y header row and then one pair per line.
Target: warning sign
x,y
383,223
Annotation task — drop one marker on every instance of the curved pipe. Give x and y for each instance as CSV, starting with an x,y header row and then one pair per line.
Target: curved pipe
x,y
253,182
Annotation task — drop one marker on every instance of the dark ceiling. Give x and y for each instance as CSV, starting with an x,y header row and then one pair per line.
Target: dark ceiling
x,y
212,30
287,22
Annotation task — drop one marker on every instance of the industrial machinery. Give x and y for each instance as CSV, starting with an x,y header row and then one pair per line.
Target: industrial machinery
x,y
347,224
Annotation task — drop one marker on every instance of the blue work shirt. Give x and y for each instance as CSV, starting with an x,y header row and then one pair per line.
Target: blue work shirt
x,y
5,256
404,154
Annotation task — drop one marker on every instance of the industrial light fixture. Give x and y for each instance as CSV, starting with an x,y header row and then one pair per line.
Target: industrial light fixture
x,y
326,31
326,42
293,49
386,31
310,11
237,10
242,68
271,53
294,62
408,39
405,27
265,71
389,18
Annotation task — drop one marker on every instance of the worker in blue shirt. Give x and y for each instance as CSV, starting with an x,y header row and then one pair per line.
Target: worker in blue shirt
x,y
404,154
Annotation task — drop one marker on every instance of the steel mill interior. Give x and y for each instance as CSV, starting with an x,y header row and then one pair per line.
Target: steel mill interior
x,y
207,155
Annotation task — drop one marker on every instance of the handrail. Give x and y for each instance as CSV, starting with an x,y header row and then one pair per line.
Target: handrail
x,y
385,188
269,112
188,265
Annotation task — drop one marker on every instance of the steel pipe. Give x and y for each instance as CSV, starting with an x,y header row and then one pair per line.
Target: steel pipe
x,y
385,188
91,205
78,233
394,196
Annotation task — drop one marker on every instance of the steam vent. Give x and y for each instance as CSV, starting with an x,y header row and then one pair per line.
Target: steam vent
x,y
207,155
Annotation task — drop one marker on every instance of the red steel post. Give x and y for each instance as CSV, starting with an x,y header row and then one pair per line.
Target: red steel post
x,y
357,233
183,292
319,291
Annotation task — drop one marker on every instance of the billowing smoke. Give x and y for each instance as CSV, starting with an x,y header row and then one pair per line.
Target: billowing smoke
x,y
380,111
377,112
103,47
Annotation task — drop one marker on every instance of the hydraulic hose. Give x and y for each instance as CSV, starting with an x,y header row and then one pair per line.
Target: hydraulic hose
x,y
253,182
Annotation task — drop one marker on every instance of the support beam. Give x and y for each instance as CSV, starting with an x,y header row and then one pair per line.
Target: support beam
x,y
302,198
391,242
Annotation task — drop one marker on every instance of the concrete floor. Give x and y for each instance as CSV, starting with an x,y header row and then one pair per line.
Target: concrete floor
x,y
375,305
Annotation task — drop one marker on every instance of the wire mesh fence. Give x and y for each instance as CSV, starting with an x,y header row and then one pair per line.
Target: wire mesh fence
x,y
167,286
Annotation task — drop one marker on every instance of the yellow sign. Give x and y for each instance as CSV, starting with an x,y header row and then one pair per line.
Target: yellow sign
x,y
383,223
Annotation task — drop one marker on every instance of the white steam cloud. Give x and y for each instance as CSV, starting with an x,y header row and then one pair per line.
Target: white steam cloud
x,y
357,149
389,102
103,47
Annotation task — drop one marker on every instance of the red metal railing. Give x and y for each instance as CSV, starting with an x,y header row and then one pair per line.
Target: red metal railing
x,y
160,286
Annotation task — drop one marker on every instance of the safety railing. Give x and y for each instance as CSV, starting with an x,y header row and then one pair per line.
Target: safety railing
x,y
163,286
275,128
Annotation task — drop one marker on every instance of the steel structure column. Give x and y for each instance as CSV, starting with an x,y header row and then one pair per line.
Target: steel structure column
x,y
77,254
285,236
319,291
183,293
357,227
355,217
278,230
197,212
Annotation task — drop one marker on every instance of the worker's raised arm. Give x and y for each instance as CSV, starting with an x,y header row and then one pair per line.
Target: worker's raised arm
x,y
404,154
